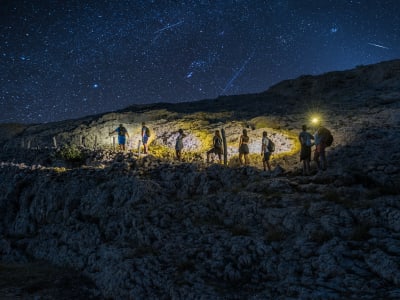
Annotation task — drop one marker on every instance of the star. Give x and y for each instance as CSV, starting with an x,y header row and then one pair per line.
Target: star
x,y
152,51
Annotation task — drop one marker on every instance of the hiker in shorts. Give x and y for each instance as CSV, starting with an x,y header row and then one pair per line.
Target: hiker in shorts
x,y
145,137
217,147
122,134
179,144
320,145
305,151
265,152
244,148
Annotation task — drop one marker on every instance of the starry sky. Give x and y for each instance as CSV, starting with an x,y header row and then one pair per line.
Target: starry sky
x,y
63,59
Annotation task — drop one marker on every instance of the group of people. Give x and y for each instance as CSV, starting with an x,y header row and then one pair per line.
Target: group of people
x,y
307,140
320,139
123,133
267,147
145,134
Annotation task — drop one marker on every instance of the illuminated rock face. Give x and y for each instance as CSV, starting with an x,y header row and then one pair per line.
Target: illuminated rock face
x,y
152,228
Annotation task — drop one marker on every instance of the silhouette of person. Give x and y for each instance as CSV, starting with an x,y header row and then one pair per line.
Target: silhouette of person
x,y
145,137
305,151
217,147
122,134
266,154
244,148
179,144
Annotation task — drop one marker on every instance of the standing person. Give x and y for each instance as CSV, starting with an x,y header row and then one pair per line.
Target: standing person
x,y
320,139
179,144
244,148
265,151
217,147
122,133
145,137
305,151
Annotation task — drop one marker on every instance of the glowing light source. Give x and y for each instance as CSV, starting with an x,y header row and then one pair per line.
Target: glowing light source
x,y
315,120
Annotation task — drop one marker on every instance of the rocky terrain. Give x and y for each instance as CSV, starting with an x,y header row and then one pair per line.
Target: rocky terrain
x,y
134,226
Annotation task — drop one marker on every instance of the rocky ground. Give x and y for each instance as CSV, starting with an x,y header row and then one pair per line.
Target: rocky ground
x,y
148,227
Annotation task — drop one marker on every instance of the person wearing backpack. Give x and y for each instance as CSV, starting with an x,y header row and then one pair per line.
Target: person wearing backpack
x,y
145,137
267,147
122,133
305,151
322,138
217,147
244,148
179,144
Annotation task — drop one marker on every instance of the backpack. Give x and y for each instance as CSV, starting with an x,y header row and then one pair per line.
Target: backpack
x,y
121,131
271,146
326,136
147,131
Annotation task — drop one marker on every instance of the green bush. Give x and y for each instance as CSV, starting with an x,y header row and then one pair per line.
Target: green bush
x,y
72,154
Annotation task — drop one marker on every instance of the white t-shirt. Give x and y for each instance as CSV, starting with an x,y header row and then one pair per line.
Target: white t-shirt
x,y
265,142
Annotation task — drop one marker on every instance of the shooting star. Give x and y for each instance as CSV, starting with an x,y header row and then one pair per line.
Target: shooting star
x,y
379,46
236,75
168,27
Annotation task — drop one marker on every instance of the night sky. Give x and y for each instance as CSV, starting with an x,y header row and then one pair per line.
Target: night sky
x,y
68,59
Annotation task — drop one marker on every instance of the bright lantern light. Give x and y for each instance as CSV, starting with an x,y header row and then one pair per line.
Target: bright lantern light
x,y
315,120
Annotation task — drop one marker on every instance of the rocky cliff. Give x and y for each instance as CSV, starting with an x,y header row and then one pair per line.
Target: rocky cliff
x,y
148,227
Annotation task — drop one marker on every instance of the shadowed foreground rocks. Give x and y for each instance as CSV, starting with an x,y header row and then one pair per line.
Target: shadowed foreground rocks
x,y
146,228
40,280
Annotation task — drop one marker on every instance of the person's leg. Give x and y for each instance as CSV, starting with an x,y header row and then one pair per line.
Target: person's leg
x,y
267,156
323,160
316,156
208,155
269,166
241,158
307,166
246,158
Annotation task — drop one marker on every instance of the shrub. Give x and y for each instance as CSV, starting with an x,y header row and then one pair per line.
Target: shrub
x,y
72,154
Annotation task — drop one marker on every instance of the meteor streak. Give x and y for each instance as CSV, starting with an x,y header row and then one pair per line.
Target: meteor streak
x,y
168,27
379,46
236,75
